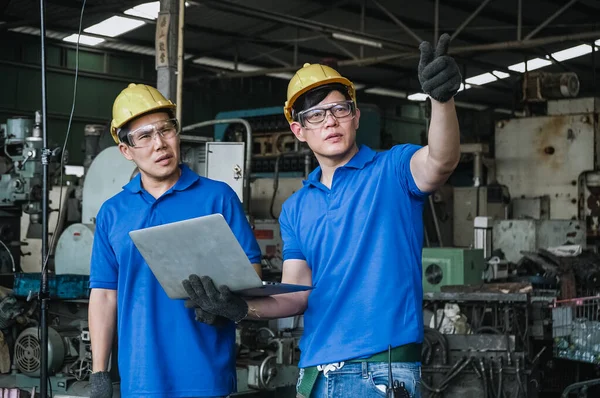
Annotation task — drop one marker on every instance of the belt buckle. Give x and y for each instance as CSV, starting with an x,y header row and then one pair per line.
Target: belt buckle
x,y
330,367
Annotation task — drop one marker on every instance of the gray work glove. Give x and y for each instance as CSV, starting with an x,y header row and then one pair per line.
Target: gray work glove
x,y
217,301
438,73
100,385
206,317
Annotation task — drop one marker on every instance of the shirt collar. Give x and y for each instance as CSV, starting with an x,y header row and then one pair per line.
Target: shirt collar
x,y
186,179
358,161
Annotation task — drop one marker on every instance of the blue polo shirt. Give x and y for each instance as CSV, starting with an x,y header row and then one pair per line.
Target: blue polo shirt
x,y
362,240
163,350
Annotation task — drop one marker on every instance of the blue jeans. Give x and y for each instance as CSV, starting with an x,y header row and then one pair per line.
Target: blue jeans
x,y
361,380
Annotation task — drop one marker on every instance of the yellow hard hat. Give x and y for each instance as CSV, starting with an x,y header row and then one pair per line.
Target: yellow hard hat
x,y
309,77
134,101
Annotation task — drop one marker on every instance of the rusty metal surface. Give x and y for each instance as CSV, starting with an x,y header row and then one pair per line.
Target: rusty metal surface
x,y
538,156
514,236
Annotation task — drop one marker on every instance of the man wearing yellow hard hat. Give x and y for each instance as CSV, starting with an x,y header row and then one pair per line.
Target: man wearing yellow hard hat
x,y
354,232
165,349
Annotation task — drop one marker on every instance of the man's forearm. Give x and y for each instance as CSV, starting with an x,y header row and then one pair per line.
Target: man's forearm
x,y
444,137
279,306
102,318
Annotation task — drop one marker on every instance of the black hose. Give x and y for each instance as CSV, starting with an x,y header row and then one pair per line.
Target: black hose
x,y
500,378
453,372
427,350
518,374
275,186
492,388
442,340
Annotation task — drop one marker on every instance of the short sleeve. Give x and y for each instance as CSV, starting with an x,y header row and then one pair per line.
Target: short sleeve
x,y
104,267
291,246
233,212
401,156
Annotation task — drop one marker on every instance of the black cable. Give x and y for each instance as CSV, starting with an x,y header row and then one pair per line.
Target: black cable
x,y
275,185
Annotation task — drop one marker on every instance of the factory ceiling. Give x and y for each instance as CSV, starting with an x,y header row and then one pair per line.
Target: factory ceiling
x,y
373,42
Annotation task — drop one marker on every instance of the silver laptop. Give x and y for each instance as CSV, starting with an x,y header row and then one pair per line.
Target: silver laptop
x,y
202,246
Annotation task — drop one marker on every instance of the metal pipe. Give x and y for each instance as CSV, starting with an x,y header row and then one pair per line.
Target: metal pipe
x,y
306,165
180,56
363,6
436,21
550,19
292,21
247,161
469,18
477,169
507,45
519,19
340,47
398,22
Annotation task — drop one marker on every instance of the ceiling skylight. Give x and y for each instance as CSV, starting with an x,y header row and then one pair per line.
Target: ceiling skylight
x,y
114,26
84,39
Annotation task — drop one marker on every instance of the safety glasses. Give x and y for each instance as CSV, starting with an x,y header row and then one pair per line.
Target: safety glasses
x,y
316,115
145,135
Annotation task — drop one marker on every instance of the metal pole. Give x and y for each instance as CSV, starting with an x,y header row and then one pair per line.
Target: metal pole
x,y
469,18
166,74
44,296
248,160
519,19
594,84
180,58
550,19
363,6
397,21
436,21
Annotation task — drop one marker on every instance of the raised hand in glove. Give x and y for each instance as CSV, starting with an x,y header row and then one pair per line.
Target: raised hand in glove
x,y
100,385
438,73
212,300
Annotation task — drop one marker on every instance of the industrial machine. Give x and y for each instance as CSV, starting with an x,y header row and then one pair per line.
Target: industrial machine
x,y
451,266
20,185
546,155
476,343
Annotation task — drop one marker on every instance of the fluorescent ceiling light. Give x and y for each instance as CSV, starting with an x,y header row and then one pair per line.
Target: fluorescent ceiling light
x,y
417,97
385,92
464,87
114,26
532,64
224,64
597,42
357,40
572,52
481,79
146,10
500,74
84,39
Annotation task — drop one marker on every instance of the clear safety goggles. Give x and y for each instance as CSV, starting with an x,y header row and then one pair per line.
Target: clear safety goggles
x,y
145,135
316,115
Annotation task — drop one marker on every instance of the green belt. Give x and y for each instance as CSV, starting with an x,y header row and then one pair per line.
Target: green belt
x,y
404,353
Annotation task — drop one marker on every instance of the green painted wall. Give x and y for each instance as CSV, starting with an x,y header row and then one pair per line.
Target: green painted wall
x,y
102,76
